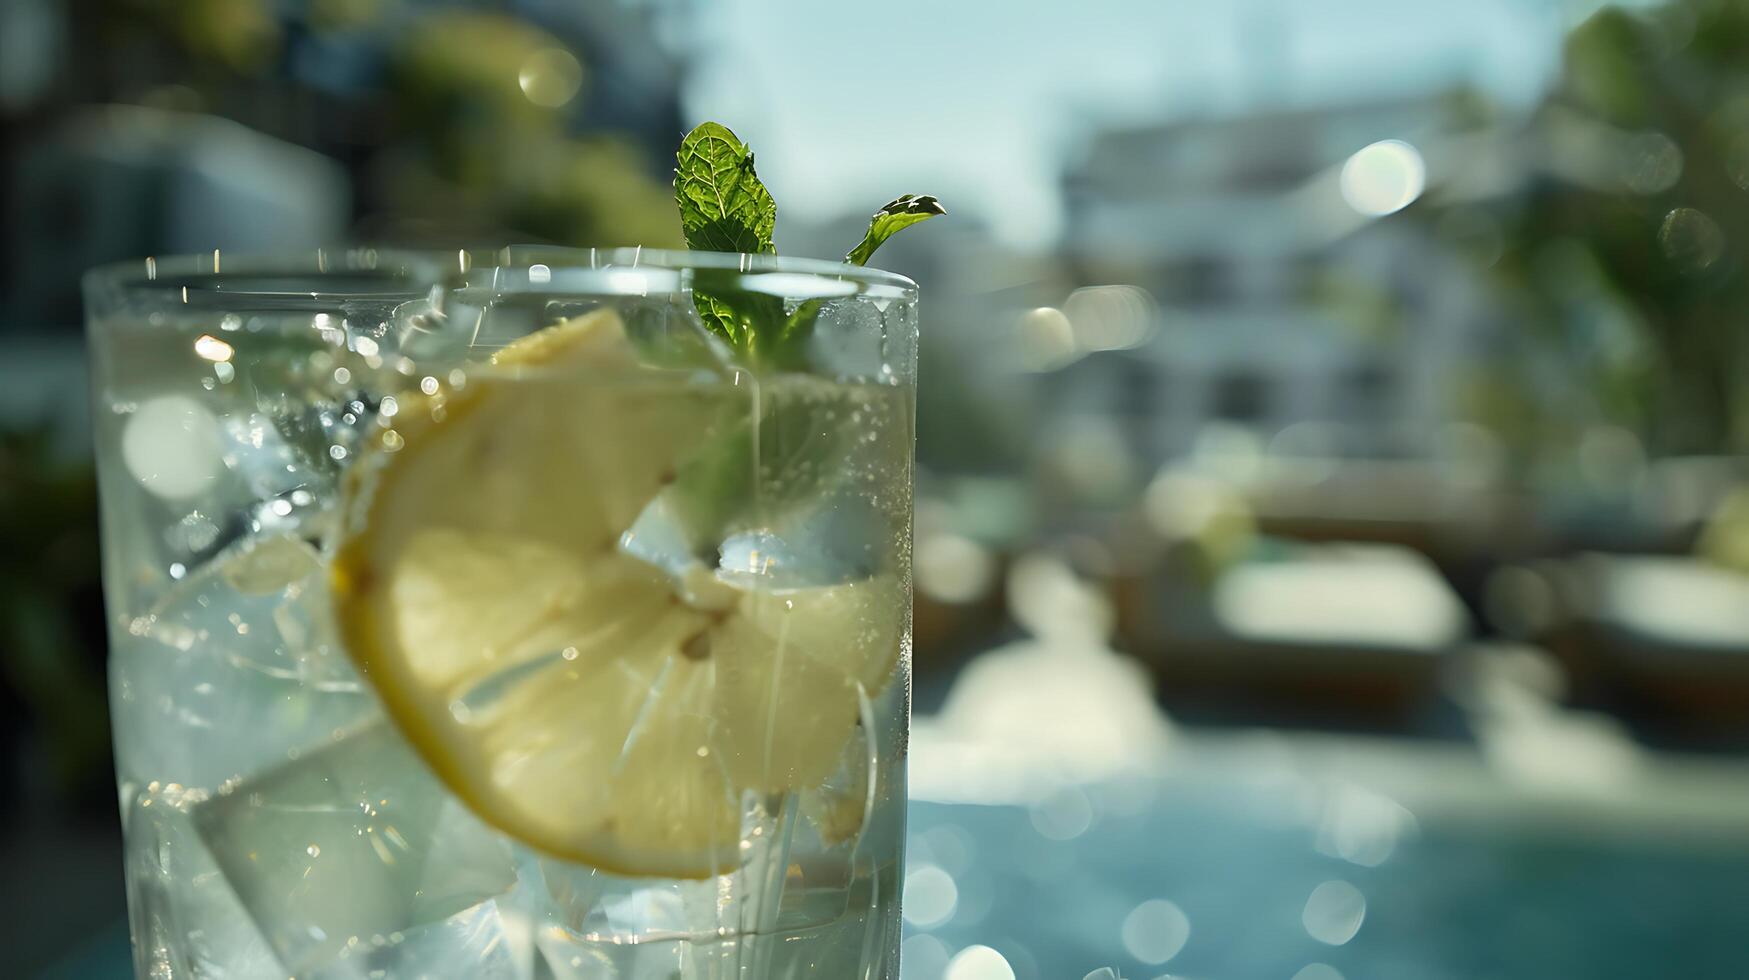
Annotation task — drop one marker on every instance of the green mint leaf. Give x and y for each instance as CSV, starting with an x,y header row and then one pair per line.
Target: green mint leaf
x,y
902,212
751,322
720,315
723,206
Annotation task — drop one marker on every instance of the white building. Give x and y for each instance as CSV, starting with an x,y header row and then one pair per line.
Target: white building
x,y
1285,295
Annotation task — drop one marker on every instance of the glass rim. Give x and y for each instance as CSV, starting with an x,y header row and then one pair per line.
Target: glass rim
x,y
171,278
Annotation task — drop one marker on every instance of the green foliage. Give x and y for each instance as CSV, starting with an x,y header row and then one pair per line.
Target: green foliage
x,y
48,604
1621,261
724,207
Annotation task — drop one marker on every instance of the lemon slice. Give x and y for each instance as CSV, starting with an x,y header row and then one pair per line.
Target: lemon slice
x,y
579,699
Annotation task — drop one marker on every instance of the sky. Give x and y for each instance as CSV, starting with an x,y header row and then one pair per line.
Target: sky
x,y
983,101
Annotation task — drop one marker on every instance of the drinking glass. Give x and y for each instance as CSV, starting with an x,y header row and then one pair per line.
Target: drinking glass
x,y
483,614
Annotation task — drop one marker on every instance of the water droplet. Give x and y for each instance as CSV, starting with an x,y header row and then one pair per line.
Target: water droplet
x,y
313,851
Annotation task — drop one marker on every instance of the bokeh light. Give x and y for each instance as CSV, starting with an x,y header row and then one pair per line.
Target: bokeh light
x,y
925,957
1384,177
1063,815
930,896
1334,912
1046,339
1691,240
1110,317
550,77
978,962
1155,931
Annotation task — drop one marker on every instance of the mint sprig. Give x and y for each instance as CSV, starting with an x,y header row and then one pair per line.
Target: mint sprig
x,y
725,208
899,213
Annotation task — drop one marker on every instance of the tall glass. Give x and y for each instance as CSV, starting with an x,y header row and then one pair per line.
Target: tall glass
x,y
483,615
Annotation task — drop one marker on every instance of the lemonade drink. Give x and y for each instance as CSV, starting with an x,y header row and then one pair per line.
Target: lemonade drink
x,y
480,616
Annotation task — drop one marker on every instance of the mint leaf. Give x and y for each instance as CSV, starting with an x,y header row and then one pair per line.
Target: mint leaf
x,y
899,213
752,322
720,315
902,212
723,206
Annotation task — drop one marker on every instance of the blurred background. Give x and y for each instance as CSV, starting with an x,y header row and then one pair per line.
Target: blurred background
x,y
1333,507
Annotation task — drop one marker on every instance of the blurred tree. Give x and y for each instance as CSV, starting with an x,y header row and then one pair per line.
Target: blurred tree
x,y
481,99
50,620
1621,260
460,123
242,35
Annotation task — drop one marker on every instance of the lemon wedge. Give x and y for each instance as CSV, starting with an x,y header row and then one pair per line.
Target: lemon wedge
x,y
583,701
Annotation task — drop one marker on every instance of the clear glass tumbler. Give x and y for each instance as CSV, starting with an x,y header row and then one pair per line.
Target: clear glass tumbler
x,y
482,614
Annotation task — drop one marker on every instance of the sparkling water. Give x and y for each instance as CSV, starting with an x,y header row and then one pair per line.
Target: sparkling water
x,y
278,824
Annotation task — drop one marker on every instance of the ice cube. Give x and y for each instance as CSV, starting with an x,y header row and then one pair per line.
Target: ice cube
x,y
186,920
659,538
589,924
355,848
269,566
289,486
594,906
442,333
841,539
233,671
321,435
848,339
197,536
767,559
259,454
483,942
